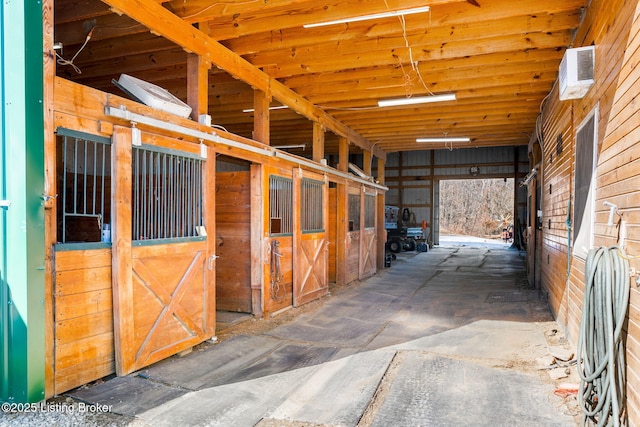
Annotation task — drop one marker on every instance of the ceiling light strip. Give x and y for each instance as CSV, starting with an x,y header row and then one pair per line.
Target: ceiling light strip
x,y
444,139
278,107
369,17
417,100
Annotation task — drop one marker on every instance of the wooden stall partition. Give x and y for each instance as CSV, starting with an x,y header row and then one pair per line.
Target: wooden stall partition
x,y
368,234
233,234
83,317
310,237
164,289
278,239
354,205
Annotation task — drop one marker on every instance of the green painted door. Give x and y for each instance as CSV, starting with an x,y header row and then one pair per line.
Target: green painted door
x,y
22,312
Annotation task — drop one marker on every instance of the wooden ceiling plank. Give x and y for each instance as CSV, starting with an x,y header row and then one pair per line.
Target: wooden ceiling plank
x,y
284,15
163,22
285,64
415,29
437,82
106,26
530,58
449,13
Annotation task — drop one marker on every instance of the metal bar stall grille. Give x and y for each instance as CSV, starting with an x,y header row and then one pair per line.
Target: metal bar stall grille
x,y
354,212
369,211
84,183
280,205
311,215
167,194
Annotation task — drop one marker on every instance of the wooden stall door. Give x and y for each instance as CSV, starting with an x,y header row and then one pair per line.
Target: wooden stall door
x,y
310,254
233,234
171,300
368,237
368,253
164,288
310,268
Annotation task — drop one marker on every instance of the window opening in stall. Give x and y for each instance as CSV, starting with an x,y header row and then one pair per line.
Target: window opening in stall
x,y
167,194
311,210
280,205
354,212
369,211
83,187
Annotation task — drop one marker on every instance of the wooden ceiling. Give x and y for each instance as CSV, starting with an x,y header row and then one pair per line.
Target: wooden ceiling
x,y
500,58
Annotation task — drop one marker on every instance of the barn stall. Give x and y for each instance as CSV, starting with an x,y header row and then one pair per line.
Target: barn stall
x,y
151,239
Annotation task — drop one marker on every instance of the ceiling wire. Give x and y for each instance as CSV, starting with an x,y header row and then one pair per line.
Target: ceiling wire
x,y
408,79
62,61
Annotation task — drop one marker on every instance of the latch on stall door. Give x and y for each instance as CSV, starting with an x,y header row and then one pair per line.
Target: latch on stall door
x,y
212,258
5,204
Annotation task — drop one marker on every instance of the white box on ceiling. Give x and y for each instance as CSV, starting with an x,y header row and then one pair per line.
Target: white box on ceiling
x,y
154,96
576,72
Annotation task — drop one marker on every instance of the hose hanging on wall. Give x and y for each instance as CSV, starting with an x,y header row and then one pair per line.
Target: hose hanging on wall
x,y
277,290
601,351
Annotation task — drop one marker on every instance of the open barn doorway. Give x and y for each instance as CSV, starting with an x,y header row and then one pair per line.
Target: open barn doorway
x,y
477,210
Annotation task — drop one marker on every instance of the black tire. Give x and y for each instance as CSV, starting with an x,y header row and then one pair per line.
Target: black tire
x,y
394,246
411,245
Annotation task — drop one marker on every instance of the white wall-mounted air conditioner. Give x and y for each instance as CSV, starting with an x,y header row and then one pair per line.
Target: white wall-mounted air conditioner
x,y
153,95
576,72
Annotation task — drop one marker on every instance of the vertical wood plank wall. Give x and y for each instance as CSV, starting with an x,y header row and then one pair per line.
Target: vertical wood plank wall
x,y
233,234
83,317
614,28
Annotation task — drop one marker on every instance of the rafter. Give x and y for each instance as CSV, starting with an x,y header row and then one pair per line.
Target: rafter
x,y
160,20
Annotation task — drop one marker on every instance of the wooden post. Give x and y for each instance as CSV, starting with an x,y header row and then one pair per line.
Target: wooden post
x,y
50,213
342,204
361,234
380,221
366,162
257,232
432,208
343,155
197,85
122,275
318,142
209,198
262,116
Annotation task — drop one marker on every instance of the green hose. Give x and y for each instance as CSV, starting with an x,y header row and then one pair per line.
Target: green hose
x,y
601,352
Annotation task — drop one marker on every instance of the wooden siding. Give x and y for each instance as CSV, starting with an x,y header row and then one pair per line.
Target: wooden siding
x,y
83,318
233,233
614,29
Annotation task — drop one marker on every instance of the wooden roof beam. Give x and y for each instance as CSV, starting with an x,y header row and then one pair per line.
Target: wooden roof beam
x,y
159,20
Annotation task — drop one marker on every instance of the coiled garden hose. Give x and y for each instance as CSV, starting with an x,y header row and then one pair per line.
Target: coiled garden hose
x,y
601,352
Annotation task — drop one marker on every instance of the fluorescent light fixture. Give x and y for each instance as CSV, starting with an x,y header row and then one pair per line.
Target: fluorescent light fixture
x,y
284,147
278,107
373,16
444,139
417,100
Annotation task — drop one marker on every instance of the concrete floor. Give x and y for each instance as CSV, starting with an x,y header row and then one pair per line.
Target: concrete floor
x,y
449,337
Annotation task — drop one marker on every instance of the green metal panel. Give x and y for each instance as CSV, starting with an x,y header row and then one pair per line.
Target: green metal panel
x,y
22,311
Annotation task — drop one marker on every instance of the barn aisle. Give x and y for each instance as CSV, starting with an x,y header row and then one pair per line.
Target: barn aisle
x,y
447,337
